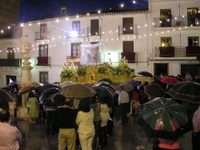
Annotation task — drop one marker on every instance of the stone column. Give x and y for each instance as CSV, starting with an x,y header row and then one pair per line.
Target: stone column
x,y
26,69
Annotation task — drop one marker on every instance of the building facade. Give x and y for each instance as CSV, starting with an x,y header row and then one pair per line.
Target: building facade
x,y
163,38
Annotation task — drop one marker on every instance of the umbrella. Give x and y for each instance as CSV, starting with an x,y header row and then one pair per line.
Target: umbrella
x,y
35,84
170,80
103,91
110,86
154,90
45,87
134,83
165,118
54,99
187,91
143,79
106,80
5,98
66,83
13,83
25,89
127,87
78,91
145,73
88,84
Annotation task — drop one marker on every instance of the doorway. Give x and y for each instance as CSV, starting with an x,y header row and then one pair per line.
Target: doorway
x,y
8,77
160,69
192,69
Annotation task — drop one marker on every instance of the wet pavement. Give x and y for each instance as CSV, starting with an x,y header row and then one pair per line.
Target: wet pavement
x,y
125,137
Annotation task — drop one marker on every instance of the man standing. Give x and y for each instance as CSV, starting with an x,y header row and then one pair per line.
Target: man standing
x,y
10,136
123,101
65,119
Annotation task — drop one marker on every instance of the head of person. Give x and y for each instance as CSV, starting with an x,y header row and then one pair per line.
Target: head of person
x,y
84,105
4,116
93,100
68,102
121,88
31,94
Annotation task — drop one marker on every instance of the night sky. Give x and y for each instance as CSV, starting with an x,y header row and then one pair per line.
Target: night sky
x,y
31,9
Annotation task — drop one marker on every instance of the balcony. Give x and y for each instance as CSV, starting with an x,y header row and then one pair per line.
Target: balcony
x,y
93,31
127,30
42,36
11,62
129,56
174,22
76,34
43,61
177,52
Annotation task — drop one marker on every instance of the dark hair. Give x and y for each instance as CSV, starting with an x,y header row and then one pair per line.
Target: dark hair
x,y
121,87
67,101
107,100
93,100
31,94
4,115
84,105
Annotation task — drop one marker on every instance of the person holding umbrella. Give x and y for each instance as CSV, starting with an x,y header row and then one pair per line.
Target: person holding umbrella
x,y
196,131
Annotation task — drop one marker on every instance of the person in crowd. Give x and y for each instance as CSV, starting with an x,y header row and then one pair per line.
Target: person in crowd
x,y
50,118
123,101
196,130
85,122
105,116
10,136
143,97
97,120
33,108
162,19
169,19
65,119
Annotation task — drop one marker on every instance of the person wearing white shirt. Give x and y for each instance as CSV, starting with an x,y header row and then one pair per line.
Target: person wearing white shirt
x,y
123,101
10,136
85,122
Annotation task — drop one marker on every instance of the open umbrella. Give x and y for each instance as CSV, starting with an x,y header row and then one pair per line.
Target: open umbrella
x,y
103,91
134,83
66,83
154,90
127,87
35,84
187,91
143,79
170,80
25,89
106,80
78,91
45,87
13,83
145,73
165,118
5,98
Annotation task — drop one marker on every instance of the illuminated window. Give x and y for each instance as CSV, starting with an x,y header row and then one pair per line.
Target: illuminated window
x,y
166,42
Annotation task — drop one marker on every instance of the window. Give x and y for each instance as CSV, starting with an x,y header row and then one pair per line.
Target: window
x,y
75,49
128,46
43,50
165,18
76,27
44,77
166,42
43,31
10,53
95,27
191,16
193,41
128,26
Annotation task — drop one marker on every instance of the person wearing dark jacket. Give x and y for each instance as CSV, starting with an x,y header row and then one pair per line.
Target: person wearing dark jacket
x,y
65,119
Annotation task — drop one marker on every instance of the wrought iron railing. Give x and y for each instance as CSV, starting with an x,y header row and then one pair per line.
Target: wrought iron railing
x,y
11,62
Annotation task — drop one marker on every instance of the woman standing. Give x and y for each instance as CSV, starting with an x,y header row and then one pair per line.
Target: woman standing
x,y
85,122
33,108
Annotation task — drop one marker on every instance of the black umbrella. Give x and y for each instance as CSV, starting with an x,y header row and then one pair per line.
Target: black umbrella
x,y
145,73
45,87
5,98
106,80
51,97
103,91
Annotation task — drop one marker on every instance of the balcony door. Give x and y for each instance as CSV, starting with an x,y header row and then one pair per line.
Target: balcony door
x,y
95,27
43,50
75,49
128,26
166,42
43,31
76,27
10,53
161,68
193,41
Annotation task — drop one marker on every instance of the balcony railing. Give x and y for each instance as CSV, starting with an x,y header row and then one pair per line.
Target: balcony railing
x,y
129,56
43,61
127,30
42,35
175,22
178,51
11,62
93,32
76,33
